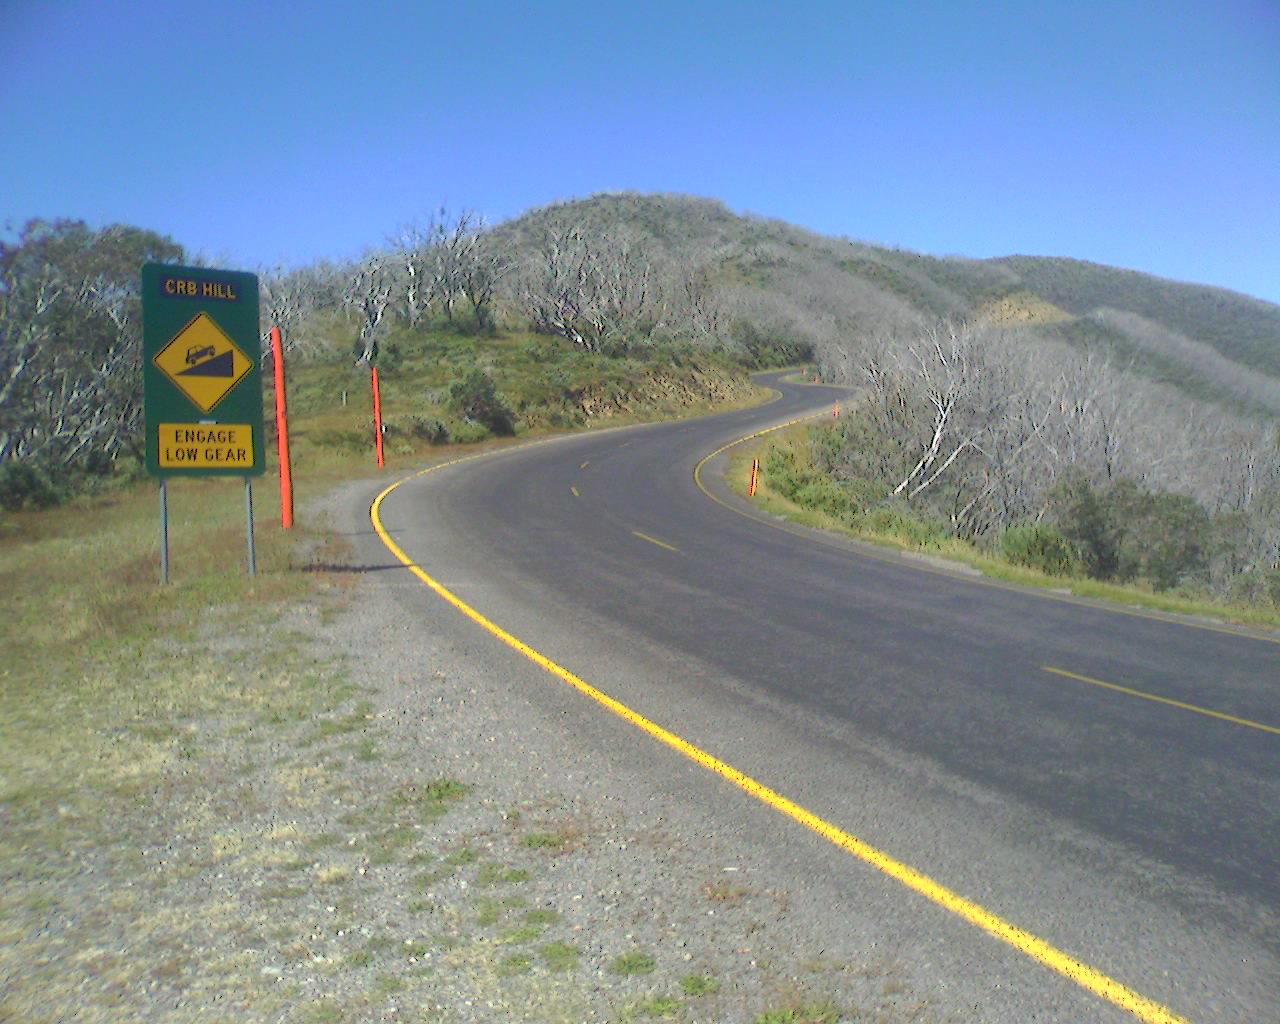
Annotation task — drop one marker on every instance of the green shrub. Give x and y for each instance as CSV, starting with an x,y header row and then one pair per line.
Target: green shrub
x,y
1127,532
389,358
430,429
476,397
23,485
782,471
899,521
825,495
469,433
1271,586
1038,546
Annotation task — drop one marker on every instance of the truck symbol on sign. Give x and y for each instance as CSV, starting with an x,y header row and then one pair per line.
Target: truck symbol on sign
x,y
197,352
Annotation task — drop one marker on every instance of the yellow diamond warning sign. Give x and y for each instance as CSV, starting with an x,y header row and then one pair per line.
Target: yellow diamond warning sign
x,y
203,363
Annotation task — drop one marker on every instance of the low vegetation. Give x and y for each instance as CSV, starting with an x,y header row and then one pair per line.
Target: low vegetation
x,y
1122,542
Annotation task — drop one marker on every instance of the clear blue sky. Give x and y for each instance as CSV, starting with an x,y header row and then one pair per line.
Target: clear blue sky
x,y
1141,134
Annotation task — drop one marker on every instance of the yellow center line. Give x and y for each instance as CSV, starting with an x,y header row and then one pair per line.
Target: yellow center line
x,y
654,540
1089,978
585,464
574,490
1160,700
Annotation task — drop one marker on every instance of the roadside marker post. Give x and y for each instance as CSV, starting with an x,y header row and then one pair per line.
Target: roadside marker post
x,y
377,415
282,432
202,382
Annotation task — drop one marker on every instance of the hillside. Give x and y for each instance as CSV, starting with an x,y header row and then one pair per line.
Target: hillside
x,y
1211,343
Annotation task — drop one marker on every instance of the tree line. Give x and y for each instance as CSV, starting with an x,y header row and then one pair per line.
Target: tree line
x,y
1020,437
71,354
71,331
1060,457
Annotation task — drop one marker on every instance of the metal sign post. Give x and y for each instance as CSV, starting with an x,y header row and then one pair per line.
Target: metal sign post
x,y
164,530
248,516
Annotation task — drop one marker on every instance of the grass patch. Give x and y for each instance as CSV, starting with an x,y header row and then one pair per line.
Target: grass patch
x,y
322,1011
559,956
515,963
461,857
429,802
492,873
333,875
489,911
699,985
809,1013
521,934
658,1006
386,984
385,846
633,963
541,841
564,838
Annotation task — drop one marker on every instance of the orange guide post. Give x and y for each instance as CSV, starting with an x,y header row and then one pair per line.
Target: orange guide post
x,y
377,415
282,432
755,473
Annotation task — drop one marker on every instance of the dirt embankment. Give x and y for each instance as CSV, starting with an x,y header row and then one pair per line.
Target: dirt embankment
x,y
665,390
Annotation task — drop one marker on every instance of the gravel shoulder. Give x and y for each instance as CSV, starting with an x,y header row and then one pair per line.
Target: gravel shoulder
x,y
375,822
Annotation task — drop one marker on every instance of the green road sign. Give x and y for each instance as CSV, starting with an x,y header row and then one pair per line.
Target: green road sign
x,y
202,389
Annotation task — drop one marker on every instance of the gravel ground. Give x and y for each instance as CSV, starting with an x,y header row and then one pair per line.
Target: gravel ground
x,y
382,828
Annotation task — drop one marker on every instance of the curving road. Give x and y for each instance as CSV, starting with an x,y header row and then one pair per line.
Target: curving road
x,y
1106,780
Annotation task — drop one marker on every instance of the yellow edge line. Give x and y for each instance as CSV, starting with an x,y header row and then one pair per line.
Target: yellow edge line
x,y
1161,700
654,540
1038,949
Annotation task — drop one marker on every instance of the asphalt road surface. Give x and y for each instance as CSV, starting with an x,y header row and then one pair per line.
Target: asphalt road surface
x,y
1106,780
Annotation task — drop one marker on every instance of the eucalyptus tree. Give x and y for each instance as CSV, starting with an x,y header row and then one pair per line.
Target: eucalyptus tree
x,y
71,343
370,286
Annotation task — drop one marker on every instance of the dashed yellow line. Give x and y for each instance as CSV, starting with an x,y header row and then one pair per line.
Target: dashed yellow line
x,y
654,540
1161,700
1038,949
574,492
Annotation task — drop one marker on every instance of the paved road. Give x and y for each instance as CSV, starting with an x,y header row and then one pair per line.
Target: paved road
x,y
1108,781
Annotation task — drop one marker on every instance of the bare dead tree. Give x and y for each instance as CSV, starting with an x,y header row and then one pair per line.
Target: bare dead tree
x,y
453,253
369,293
480,274
941,379
589,288
413,249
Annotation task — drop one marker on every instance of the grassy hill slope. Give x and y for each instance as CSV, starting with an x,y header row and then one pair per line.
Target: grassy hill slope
x,y
1211,343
